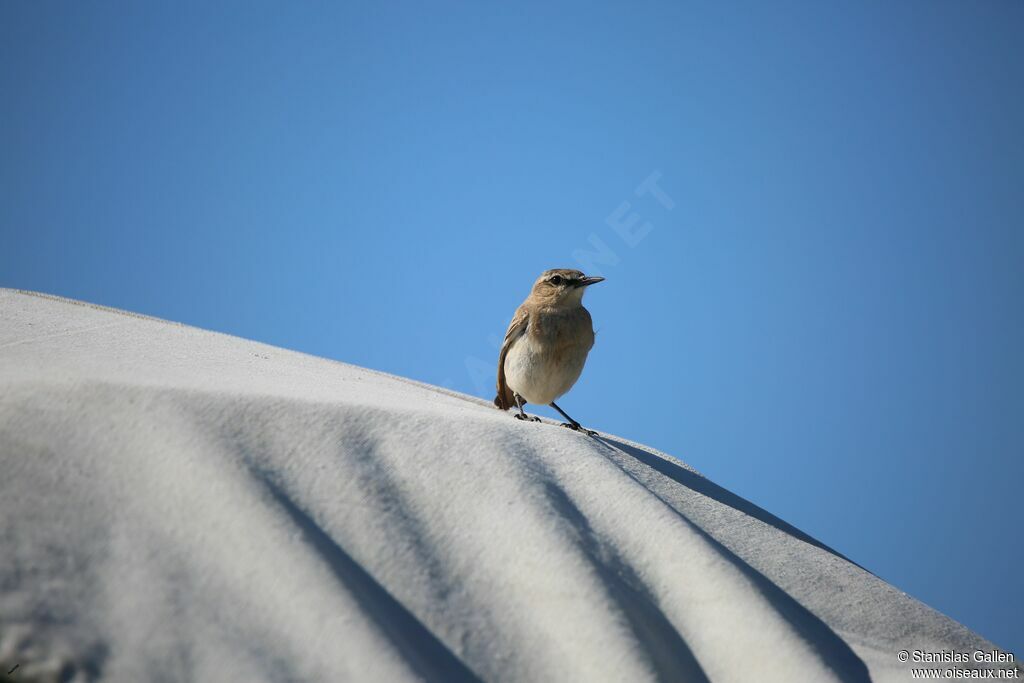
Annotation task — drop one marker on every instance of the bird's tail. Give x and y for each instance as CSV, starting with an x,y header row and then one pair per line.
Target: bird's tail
x,y
505,399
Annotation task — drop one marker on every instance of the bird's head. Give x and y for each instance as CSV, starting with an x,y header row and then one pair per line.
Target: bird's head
x,y
562,287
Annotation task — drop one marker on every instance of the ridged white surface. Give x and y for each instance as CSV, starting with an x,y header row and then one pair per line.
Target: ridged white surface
x,y
183,505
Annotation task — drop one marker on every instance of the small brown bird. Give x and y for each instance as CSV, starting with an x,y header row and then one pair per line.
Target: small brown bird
x,y
546,344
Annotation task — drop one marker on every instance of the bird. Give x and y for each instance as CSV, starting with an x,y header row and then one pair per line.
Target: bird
x,y
546,344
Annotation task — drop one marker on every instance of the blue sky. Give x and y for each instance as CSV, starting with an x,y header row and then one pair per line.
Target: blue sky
x,y
827,320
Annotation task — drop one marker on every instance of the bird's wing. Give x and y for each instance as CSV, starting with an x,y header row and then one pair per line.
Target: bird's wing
x,y
516,329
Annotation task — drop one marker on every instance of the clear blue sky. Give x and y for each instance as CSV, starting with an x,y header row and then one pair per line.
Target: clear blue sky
x,y
827,321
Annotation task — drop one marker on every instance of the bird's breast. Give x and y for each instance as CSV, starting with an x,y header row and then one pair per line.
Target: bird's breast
x,y
545,362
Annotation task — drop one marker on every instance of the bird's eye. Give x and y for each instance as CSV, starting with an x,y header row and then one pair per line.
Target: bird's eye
x,y
556,280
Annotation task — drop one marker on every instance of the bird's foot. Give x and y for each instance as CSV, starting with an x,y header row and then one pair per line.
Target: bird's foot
x,y
528,418
577,427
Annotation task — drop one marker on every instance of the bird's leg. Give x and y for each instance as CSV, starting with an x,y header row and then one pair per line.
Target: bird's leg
x,y
572,424
522,413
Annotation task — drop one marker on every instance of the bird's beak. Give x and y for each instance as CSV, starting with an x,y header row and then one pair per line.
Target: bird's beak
x,y
587,281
